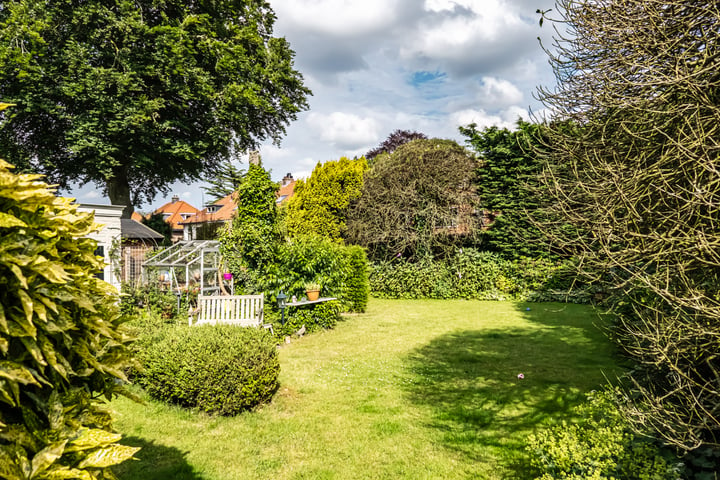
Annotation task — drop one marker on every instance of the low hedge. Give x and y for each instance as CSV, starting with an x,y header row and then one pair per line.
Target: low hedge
x,y
473,274
219,369
315,317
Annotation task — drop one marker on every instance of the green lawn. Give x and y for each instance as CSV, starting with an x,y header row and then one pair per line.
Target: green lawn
x,y
410,389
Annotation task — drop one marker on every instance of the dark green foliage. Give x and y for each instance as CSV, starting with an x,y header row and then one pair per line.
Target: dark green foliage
x,y
469,274
418,201
320,204
250,245
225,181
509,187
157,222
600,445
62,343
341,271
222,369
315,317
356,289
136,94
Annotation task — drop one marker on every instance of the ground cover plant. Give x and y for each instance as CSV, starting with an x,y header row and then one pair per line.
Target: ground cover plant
x,y
409,389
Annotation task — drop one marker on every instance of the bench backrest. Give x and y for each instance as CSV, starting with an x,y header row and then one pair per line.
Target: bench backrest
x,y
244,310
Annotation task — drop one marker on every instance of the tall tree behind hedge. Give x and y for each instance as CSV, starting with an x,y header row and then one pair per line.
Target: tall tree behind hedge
x,y
393,141
61,341
508,187
638,83
249,245
418,201
136,94
319,205
224,181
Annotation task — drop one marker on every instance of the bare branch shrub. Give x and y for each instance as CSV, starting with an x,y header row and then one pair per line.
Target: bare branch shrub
x,y
418,201
633,169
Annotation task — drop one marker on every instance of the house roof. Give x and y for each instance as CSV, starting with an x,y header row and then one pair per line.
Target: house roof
x,y
223,209
136,216
135,230
176,211
218,211
285,193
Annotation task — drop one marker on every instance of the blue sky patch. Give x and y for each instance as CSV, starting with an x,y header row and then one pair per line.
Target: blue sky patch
x,y
418,79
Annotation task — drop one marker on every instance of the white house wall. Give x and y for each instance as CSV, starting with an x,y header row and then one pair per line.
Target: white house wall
x,y
108,237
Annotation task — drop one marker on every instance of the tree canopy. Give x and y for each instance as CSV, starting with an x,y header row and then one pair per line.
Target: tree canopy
x,y
319,206
418,201
394,140
508,187
135,94
633,155
224,181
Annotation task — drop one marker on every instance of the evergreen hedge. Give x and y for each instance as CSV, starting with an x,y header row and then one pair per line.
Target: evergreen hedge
x,y
472,274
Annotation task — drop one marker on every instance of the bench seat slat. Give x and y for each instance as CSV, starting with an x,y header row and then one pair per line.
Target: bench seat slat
x,y
245,310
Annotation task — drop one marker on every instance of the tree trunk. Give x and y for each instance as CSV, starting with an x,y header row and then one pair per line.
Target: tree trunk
x,y
118,189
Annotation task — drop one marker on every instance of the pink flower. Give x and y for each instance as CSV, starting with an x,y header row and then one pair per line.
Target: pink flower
x,y
520,376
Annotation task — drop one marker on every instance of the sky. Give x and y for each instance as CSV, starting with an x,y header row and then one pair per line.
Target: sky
x,y
375,66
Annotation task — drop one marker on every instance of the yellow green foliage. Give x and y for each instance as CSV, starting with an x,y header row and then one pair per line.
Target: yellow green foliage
x,y
320,204
62,347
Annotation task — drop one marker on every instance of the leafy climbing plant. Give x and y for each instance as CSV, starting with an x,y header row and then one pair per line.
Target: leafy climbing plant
x,y
62,346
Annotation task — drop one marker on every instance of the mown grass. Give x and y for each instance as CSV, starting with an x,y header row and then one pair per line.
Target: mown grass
x,y
410,389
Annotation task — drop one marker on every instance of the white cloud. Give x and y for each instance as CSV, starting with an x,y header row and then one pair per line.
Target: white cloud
x,y
344,130
337,17
504,119
496,92
92,194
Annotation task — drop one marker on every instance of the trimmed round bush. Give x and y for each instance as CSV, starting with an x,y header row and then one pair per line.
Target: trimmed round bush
x,y
221,369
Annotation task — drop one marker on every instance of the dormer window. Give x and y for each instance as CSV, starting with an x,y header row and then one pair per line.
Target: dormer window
x,y
213,208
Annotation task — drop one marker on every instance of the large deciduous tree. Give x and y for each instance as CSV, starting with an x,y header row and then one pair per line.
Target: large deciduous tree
x,y
637,134
418,201
135,94
319,205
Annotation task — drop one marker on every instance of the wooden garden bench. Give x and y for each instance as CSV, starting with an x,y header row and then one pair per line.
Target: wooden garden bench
x,y
241,310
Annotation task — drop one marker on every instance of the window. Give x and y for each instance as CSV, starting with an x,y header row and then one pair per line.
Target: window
x,y
100,252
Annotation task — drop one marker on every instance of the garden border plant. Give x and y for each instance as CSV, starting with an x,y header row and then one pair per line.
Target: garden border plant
x,y
62,343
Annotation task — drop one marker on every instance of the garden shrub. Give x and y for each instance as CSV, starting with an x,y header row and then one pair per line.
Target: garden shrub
x,y
221,369
601,445
148,297
315,317
341,271
357,286
469,274
62,342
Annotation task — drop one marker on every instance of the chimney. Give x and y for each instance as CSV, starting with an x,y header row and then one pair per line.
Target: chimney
x,y
175,198
287,179
254,157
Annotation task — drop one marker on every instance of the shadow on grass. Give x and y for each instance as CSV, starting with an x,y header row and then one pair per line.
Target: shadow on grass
x,y
154,462
469,380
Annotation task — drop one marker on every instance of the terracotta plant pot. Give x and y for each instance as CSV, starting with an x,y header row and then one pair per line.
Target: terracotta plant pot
x,y
312,295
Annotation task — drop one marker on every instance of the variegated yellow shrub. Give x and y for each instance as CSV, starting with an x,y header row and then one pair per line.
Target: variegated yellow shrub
x,y
62,347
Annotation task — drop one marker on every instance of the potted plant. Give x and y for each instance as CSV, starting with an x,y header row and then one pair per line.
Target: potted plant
x,y
312,290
